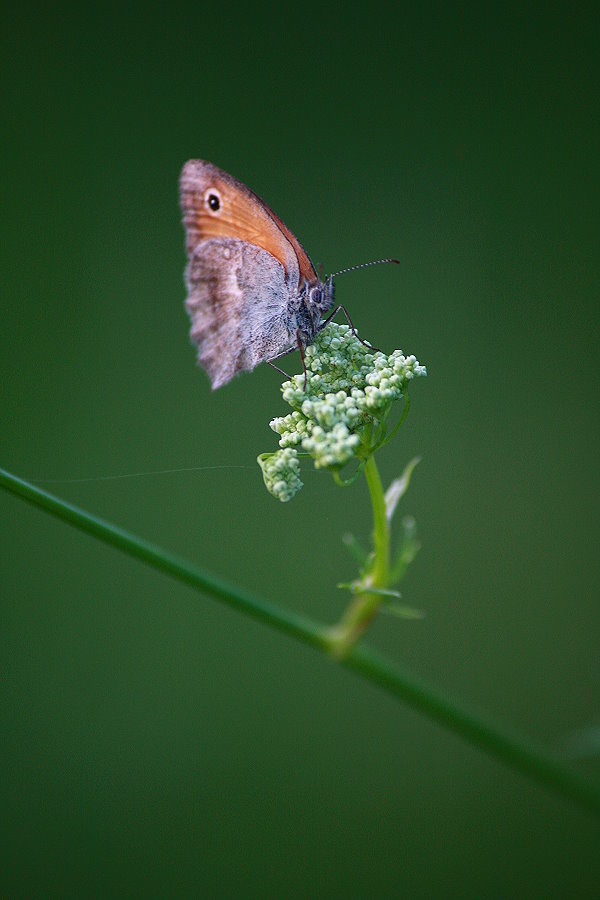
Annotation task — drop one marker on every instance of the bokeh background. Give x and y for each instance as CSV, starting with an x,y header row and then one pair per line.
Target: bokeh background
x,y
154,742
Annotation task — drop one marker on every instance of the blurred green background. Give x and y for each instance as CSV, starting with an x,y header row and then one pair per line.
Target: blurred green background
x,y
152,740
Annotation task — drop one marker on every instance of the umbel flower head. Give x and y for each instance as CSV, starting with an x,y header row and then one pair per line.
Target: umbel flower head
x,y
281,472
342,414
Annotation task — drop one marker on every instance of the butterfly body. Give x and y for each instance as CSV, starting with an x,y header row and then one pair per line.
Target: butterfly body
x,y
253,293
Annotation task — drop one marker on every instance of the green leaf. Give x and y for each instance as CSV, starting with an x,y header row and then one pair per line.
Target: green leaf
x,y
409,547
403,612
398,488
356,549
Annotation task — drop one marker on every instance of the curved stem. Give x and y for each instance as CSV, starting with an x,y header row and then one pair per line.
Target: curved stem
x,y
400,422
346,482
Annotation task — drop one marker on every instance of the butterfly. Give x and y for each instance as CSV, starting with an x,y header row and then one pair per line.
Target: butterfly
x,y
253,293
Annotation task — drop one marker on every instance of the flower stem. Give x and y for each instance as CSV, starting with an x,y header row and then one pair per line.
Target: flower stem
x,y
364,605
381,531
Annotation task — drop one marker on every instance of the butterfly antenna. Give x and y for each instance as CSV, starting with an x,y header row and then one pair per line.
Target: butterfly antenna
x,y
375,262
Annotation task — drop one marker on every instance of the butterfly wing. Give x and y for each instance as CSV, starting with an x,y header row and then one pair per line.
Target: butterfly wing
x,y
238,301
243,275
217,205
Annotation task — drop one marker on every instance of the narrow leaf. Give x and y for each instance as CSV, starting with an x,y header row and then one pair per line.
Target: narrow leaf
x,y
409,547
398,488
403,612
356,549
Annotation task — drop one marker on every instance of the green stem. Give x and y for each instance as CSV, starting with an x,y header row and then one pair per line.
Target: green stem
x,y
300,627
513,750
346,482
381,531
363,607
397,426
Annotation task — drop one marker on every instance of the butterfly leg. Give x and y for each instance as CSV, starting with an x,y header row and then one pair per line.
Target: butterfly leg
x,y
301,349
354,331
273,366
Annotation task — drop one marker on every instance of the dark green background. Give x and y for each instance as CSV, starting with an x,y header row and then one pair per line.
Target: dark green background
x,y
154,742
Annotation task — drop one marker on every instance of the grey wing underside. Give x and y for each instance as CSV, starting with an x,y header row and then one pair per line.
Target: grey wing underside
x,y
238,303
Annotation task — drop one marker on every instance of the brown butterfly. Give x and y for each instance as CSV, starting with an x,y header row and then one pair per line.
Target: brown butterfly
x,y
253,292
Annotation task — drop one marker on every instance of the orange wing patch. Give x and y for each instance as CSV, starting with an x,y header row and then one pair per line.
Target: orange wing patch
x,y
217,205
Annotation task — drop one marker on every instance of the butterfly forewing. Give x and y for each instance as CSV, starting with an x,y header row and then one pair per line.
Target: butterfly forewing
x,y
246,275
215,204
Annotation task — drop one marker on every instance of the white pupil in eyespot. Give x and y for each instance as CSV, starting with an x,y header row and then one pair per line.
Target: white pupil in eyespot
x,y
214,202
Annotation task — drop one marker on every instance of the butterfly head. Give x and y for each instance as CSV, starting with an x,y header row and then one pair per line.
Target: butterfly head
x,y
320,296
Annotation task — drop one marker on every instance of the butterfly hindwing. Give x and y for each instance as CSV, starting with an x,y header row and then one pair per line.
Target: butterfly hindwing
x,y
235,295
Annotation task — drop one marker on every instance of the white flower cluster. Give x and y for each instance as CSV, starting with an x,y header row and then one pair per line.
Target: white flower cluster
x,y
349,386
281,473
